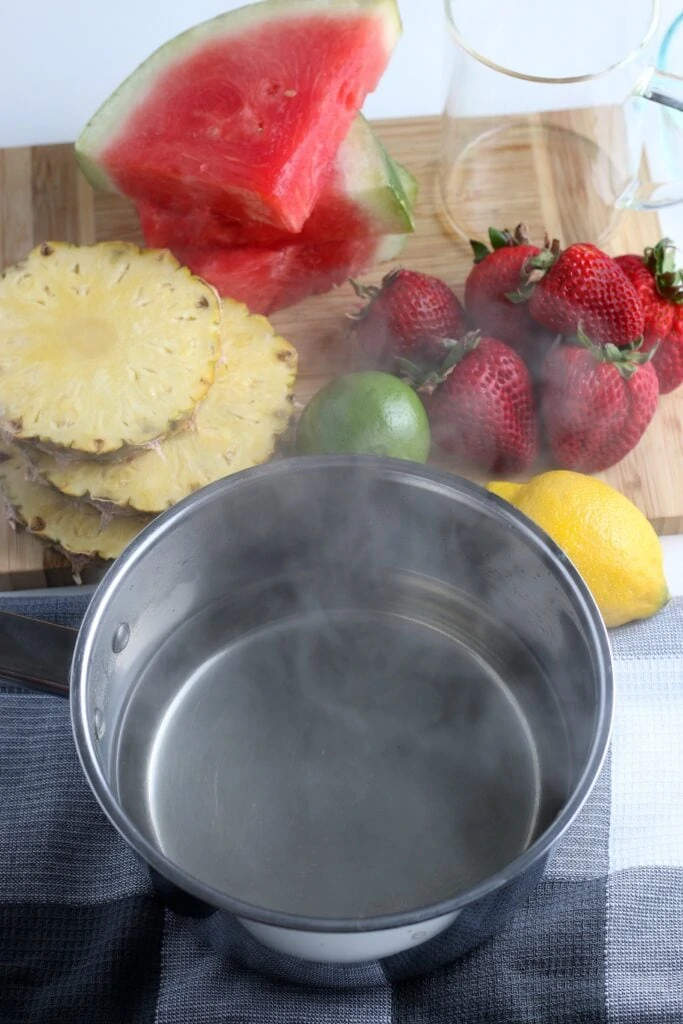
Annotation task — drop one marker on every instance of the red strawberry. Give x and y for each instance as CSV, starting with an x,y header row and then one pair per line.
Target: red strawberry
x,y
582,288
481,405
660,288
668,359
596,404
657,311
495,274
408,316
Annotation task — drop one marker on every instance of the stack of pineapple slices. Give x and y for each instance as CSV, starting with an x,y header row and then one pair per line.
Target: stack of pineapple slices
x,y
126,385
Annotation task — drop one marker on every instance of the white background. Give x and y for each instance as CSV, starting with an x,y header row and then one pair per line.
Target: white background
x,y
59,59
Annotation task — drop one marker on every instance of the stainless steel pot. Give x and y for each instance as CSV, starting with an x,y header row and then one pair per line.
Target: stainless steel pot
x,y
343,707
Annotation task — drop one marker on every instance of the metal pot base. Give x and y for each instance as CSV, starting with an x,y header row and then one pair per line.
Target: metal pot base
x,y
342,695
338,763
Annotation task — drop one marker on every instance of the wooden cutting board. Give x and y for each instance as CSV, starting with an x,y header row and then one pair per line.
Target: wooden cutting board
x,y
43,196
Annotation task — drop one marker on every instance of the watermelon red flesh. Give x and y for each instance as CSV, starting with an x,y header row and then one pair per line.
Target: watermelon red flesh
x,y
334,217
364,193
243,121
272,278
377,207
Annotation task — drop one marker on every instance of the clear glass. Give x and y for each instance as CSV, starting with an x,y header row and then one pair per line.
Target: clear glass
x,y
670,61
545,117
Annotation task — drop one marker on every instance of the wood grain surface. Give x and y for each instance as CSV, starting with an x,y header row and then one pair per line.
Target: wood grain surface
x,y
43,196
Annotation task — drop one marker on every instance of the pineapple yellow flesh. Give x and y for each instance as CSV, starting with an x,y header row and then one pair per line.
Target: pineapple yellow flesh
x,y
103,348
247,407
43,511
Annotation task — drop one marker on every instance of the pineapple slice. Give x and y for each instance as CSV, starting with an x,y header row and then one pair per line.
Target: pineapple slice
x,y
103,348
75,530
247,407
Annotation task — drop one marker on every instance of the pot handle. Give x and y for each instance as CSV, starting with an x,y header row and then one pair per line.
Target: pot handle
x,y
36,654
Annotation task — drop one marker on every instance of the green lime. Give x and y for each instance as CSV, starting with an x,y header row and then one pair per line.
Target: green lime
x,y
369,413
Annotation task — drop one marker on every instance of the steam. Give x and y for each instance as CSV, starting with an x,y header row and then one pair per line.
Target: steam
x,y
388,702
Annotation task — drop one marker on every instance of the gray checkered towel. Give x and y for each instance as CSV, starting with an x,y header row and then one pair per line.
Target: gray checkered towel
x,y
84,939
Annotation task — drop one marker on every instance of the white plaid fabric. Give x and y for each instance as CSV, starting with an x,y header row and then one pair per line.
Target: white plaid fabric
x,y
84,939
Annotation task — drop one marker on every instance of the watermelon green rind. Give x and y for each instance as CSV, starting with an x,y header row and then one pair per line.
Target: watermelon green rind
x,y
399,186
378,189
96,175
409,186
108,120
389,248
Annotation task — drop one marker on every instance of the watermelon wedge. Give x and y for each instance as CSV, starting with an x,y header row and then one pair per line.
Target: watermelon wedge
x,y
272,278
364,193
268,278
243,114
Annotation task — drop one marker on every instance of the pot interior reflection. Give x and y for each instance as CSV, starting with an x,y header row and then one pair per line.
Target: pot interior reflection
x,y
350,691
368,757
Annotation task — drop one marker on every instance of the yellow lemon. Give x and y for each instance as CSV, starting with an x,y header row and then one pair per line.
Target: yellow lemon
x,y
608,539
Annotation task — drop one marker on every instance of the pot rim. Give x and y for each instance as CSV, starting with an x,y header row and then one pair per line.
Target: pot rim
x,y
430,479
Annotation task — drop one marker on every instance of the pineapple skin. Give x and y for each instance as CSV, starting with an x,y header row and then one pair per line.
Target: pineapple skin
x,y
247,410
77,532
104,349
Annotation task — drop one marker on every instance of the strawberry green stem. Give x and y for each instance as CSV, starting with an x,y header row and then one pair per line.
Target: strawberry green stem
x,y
534,270
457,350
625,360
500,240
364,291
661,262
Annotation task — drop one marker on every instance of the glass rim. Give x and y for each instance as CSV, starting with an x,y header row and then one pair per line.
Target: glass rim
x,y
542,79
669,36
